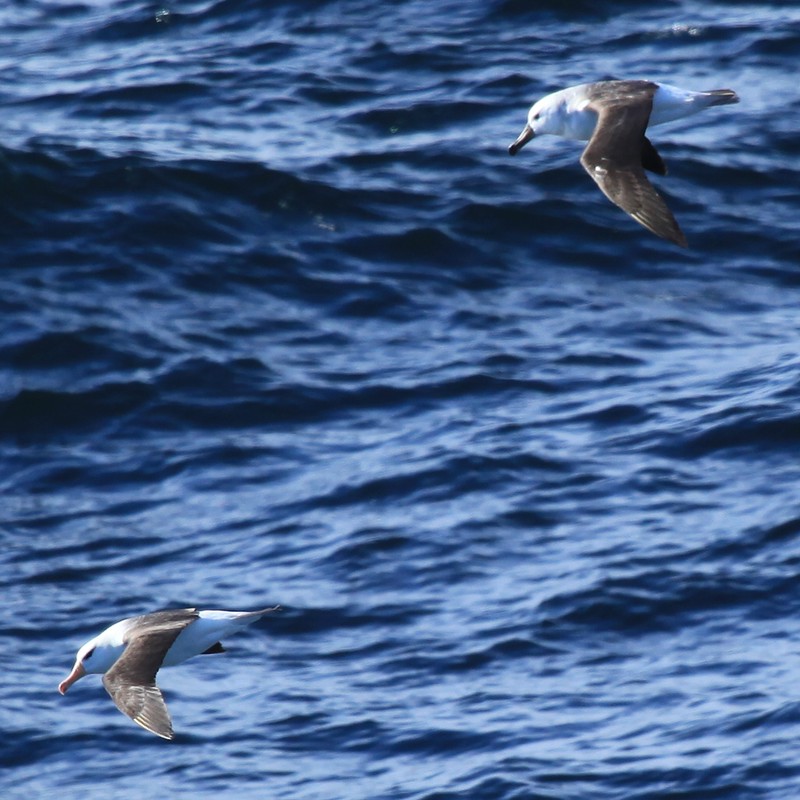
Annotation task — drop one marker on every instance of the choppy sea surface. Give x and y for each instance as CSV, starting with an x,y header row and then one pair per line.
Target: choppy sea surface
x,y
282,322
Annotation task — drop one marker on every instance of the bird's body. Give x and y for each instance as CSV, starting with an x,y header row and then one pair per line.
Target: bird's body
x,y
130,652
613,116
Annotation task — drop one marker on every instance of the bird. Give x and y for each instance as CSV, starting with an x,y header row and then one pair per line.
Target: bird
x,y
613,116
130,652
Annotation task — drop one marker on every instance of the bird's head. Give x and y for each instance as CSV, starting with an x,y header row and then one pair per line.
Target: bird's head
x,y
97,655
545,116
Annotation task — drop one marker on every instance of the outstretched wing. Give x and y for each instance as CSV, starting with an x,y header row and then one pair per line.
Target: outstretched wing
x,y
614,156
144,705
131,682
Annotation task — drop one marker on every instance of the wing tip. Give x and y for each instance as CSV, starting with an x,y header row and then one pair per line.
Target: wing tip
x,y
156,720
664,228
680,240
165,733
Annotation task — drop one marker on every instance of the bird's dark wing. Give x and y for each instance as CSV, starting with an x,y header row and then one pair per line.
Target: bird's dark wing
x,y
614,158
131,682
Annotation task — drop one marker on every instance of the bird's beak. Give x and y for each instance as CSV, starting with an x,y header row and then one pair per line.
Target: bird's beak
x,y
77,673
521,140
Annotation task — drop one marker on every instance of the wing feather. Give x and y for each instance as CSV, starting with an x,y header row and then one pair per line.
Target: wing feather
x,y
131,682
613,158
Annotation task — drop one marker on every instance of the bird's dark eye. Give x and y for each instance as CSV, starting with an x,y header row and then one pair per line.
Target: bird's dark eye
x,y
88,655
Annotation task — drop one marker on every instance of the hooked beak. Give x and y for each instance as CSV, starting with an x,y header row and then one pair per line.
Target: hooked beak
x,y
521,140
77,673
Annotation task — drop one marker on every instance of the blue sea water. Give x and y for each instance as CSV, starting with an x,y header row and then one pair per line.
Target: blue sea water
x,y
282,322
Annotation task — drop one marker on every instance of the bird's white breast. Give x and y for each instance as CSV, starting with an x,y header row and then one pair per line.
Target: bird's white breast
x,y
578,120
580,124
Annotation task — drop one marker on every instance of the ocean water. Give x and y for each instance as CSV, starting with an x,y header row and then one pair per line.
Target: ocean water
x,y
282,322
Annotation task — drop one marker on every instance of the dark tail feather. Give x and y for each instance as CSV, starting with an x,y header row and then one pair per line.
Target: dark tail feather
x,y
721,97
651,159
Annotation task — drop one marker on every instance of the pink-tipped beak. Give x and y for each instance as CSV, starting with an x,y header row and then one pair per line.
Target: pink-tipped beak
x,y
77,673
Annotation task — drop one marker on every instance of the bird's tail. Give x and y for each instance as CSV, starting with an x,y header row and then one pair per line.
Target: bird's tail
x,y
253,615
721,97
239,617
